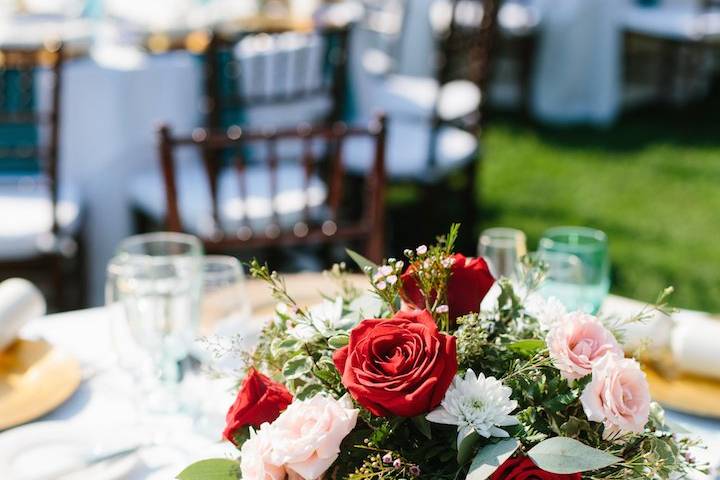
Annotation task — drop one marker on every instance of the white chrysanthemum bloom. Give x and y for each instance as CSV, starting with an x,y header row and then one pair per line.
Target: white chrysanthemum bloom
x,y
548,312
325,318
476,403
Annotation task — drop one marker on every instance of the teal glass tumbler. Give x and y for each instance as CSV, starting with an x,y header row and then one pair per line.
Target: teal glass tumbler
x,y
579,267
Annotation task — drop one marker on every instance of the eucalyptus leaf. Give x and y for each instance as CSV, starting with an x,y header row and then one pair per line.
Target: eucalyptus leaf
x,y
490,457
466,449
527,347
296,367
362,262
676,427
566,455
212,469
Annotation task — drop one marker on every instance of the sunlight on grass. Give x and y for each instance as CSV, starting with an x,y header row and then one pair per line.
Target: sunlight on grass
x,y
653,184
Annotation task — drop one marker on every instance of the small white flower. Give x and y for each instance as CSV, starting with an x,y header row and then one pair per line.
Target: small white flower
x,y
381,285
407,252
421,250
399,264
385,270
447,263
476,403
392,279
442,309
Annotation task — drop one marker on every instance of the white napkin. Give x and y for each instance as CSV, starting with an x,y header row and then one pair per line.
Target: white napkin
x,y
694,343
20,301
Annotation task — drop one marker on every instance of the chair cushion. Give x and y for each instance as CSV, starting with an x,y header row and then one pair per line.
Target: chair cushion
x,y
518,18
679,22
148,195
25,230
403,95
407,151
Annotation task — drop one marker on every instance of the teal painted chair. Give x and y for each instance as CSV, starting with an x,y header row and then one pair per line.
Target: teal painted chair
x,y
39,218
260,81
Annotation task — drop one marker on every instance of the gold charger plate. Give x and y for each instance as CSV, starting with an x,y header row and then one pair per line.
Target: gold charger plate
x,y
685,393
35,378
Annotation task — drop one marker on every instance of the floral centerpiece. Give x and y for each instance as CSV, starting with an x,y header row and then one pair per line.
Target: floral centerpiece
x,y
433,376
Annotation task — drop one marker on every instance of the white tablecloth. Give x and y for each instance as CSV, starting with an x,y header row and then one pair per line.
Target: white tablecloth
x,y
112,104
577,76
103,399
107,402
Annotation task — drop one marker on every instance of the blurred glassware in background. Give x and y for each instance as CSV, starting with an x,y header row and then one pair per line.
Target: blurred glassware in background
x,y
156,281
502,248
224,298
579,267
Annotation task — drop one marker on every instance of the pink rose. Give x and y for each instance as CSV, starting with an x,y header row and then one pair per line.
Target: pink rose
x,y
577,342
253,457
618,395
306,437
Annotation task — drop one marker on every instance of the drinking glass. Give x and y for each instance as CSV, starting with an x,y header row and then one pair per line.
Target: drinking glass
x,y
154,284
224,298
502,248
579,267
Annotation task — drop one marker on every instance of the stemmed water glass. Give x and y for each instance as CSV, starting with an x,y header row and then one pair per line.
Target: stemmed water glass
x,y
502,248
154,284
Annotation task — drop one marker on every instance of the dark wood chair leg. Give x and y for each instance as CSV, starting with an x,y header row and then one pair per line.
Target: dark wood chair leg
x,y
58,284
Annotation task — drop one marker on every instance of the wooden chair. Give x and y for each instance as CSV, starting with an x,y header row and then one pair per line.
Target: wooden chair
x,y
434,122
671,42
40,220
379,33
275,78
283,201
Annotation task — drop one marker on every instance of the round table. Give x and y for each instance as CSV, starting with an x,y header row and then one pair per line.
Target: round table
x,y
105,401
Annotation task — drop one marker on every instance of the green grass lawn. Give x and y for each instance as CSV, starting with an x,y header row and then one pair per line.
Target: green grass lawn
x,y
651,182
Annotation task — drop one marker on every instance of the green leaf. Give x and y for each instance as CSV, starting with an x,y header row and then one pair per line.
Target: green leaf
x,y
289,344
309,391
362,262
338,341
212,469
296,367
490,457
466,449
676,427
566,455
527,347
422,425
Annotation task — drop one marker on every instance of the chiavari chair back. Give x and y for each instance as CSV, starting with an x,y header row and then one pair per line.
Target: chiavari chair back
x,y
256,70
294,200
40,226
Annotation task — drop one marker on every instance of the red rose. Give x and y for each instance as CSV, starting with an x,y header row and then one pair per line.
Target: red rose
x,y
259,400
523,468
398,366
470,280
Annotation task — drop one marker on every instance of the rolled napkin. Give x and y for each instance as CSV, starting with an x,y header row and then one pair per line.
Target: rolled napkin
x,y
20,301
652,334
694,343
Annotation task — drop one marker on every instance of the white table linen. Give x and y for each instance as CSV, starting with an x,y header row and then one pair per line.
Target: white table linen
x,y
107,399
110,113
